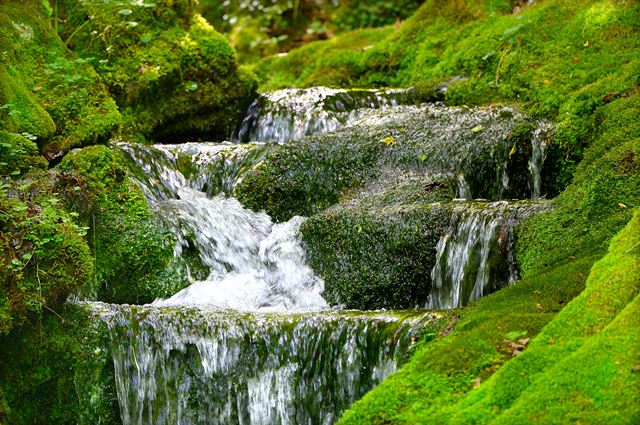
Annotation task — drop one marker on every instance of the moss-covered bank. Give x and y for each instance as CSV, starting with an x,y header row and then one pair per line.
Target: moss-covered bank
x,y
582,365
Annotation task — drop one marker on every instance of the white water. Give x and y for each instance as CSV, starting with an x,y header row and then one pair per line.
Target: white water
x,y
287,115
254,264
202,366
538,155
475,256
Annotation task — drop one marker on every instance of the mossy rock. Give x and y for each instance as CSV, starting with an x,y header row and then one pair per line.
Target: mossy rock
x,y
45,91
133,252
372,259
172,75
58,370
432,143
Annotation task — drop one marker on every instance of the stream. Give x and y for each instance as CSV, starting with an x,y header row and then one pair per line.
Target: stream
x,y
253,341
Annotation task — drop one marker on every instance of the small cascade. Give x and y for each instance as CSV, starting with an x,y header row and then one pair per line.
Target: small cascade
x,y
286,115
538,155
253,264
212,168
475,257
464,190
194,366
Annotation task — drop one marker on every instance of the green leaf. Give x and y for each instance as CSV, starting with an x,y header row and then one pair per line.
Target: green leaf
x,y
125,12
146,38
27,256
513,335
477,129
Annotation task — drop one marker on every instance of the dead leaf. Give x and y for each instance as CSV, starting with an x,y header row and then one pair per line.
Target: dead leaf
x,y
446,331
477,382
621,205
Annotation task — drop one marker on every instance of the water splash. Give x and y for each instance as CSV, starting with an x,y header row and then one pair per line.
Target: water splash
x,y
475,257
286,115
253,263
194,366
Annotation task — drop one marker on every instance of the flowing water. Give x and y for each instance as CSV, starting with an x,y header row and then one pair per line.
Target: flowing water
x,y
538,155
475,256
203,366
286,115
254,342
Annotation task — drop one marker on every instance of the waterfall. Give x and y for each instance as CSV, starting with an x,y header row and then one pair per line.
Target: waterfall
x,y
203,366
253,341
538,155
475,257
290,114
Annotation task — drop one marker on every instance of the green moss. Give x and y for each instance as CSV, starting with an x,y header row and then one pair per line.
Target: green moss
x,y
133,253
374,259
600,199
304,178
445,369
597,331
57,371
46,91
336,62
170,72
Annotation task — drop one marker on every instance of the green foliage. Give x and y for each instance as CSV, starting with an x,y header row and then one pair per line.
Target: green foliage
x,y
133,253
46,91
44,255
261,28
19,154
170,72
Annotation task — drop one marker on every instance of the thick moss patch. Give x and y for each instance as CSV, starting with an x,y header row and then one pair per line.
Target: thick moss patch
x,y
133,253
